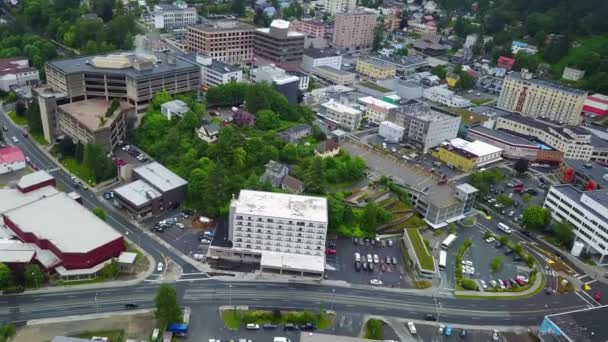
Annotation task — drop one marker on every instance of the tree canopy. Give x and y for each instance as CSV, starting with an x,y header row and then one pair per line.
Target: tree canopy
x,y
167,307
536,217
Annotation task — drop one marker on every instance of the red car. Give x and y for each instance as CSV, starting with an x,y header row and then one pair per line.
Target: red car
x,y
330,251
597,295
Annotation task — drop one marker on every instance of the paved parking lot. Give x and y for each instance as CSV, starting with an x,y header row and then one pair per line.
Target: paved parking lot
x,y
186,239
131,157
481,254
344,264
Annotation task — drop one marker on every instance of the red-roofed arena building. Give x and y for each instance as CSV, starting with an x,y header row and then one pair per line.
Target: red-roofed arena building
x,y
596,104
11,159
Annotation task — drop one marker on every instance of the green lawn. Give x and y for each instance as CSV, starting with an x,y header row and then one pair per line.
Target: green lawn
x,y
19,120
237,318
79,170
479,102
112,335
374,86
39,137
426,260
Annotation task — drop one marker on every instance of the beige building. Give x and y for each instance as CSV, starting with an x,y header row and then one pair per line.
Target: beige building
x,y
342,115
228,41
279,45
87,122
125,76
354,30
539,98
336,6
377,110
376,68
329,75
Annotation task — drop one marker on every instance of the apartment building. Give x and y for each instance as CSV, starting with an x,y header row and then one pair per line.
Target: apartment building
x,y
426,126
278,44
521,93
214,72
342,115
587,212
377,110
329,75
311,28
169,16
86,122
354,30
337,6
284,233
16,71
375,68
228,41
313,58
130,77
575,142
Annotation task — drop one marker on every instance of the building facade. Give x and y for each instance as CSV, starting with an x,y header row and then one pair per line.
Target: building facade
x,y
330,76
16,71
445,97
278,44
465,155
521,93
313,58
588,214
228,41
342,115
354,30
391,132
375,68
337,6
425,126
215,72
168,16
377,110
311,28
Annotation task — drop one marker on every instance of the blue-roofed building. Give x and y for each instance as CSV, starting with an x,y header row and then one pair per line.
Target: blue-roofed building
x,y
587,211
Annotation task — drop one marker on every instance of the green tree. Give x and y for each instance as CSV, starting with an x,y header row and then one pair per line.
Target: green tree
x,y
440,71
103,8
536,217
238,7
258,97
374,329
402,52
34,276
466,81
96,160
20,108
314,179
266,120
7,331
110,271
6,276
521,166
378,37
79,152
167,307
564,233
505,200
526,198
99,212
159,98
113,107
496,264
294,10
34,121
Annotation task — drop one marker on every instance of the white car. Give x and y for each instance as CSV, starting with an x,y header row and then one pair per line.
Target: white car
x,y
490,239
440,330
522,278
493,283
357,257
375,282
411,327
180,225
369,258
15,140
376,259
469,262
252,326
160,267
205,241
483,284
495,335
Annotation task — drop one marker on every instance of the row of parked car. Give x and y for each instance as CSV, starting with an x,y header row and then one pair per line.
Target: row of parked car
x,y
135,153
286,327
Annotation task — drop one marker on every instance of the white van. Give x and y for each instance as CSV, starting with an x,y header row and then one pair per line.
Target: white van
x,y
281,339
357,257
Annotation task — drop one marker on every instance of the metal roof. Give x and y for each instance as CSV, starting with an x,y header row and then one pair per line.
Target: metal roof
x,y
297,207
34,178
159,176
137,193
586,325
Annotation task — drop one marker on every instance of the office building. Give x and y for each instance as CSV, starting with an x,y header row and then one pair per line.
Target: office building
x,y
215,72
283,233
88,122
466,155
285,83
48,227
391,132
515,146
130,77
354,30
228,41
279,45
445,97
333,7
170,16
154,189
426,126
16,71
342,115
311,28
575,142
375,68
587,212
331,76
521,93
376,110
583,175
313,58
583,325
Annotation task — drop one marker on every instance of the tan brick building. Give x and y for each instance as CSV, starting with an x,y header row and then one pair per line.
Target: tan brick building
x,y
354,30
228,41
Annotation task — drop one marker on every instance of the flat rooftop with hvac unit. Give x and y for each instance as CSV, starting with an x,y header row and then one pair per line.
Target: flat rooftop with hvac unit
x,y
282,233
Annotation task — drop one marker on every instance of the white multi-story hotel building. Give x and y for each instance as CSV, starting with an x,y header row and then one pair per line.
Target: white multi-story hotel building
x,y
284,233
587,212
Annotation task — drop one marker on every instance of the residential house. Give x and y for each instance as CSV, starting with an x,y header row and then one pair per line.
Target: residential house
x,y
209,132
328,148
278,176
293,134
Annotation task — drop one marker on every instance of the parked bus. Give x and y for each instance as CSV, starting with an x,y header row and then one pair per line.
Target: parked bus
x,y
448,241
443,256
504,228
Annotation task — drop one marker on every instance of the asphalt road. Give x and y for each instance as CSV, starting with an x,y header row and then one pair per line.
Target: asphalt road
x,y
302,296
44,162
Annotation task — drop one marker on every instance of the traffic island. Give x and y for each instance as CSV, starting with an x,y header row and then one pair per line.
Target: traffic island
x,y
236,317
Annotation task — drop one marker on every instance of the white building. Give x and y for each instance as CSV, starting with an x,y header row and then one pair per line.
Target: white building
x,y
517,46
446,97
391,132
342,115
320,57
214,72
167,16
587,212
283,233
16,71
376,110
337,6
573,74
485,153
175,107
